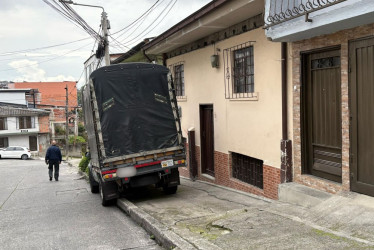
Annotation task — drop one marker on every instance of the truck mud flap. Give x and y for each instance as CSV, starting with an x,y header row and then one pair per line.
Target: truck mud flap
x,y
172,179
110,190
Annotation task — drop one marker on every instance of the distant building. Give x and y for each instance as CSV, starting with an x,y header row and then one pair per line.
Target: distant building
x,y
22,126
52,96
14,96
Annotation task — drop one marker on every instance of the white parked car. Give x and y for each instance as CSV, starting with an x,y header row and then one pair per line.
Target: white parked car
x,y
15,152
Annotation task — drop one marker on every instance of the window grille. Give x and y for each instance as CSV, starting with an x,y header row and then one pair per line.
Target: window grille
x,y
283,10
177,71
239,71
247,169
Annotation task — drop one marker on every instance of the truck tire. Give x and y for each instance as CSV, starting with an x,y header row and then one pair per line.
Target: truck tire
x,y
104,201
170,190
93,184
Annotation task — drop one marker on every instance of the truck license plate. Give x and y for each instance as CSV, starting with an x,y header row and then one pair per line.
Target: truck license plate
x,y
167,163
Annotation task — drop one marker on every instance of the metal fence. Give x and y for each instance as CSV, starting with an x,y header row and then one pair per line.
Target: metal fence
x,y
283,10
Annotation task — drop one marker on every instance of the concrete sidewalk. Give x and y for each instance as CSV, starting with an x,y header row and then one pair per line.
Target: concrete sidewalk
x,y
205,216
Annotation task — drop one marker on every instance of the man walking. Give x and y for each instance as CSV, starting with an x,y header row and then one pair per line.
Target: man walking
x,y
53,158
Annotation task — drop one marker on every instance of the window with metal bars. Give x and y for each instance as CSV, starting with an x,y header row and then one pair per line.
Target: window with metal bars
x,y
179,79
239,71
243,70
247,169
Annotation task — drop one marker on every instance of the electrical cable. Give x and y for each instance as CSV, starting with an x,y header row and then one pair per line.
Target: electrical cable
x,y
137,18
145,30
38,63
41,48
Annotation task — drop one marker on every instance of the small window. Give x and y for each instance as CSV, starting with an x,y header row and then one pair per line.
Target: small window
x,y
247,169
4,142
177,71
243,70
25,122
179,79
3,123
239,74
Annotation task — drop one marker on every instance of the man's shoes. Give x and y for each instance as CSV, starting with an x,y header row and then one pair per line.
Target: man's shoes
x,y
56,179
50,178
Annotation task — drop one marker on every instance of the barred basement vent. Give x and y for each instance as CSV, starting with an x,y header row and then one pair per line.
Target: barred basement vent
x,y
247,169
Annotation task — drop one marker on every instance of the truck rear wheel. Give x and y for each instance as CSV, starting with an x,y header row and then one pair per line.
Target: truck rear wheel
x,y
170,190
93,184
108,193
104,201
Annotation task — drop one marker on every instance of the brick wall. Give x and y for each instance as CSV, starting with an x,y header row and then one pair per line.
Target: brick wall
x,y
43,124
223,175
341,39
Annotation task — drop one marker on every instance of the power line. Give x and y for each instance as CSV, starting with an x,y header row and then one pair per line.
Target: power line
x,y
40,48
37,63
136,19
170,5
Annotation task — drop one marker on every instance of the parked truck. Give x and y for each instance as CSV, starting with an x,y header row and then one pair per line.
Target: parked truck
x,y
133,127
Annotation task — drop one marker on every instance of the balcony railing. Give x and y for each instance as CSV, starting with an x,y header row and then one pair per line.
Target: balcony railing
x,y
281,11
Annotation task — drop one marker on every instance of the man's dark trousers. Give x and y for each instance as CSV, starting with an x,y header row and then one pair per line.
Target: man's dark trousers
x,y
57,167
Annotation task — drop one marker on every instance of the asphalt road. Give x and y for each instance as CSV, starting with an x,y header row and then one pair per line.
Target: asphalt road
x,y
36,213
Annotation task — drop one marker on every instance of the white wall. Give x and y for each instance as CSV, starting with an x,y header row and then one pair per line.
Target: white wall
x,y
13,97
19,140
12,126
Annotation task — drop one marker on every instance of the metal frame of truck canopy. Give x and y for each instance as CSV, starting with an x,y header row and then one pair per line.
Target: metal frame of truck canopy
x,y
99,140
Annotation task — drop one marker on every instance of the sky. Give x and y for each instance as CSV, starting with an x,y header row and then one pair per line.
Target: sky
x,y
28,26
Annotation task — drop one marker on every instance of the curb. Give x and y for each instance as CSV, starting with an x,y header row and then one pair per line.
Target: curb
x,y
163,235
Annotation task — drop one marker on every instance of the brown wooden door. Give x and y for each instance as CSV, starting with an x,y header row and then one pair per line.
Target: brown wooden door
x,y
322,115
207,139
33,143
362,115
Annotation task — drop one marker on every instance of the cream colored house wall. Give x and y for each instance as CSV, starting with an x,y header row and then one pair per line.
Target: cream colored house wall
x,y
252,128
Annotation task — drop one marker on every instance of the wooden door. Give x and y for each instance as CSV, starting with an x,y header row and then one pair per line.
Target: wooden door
x,y
361,56
322,138
33,143
207,139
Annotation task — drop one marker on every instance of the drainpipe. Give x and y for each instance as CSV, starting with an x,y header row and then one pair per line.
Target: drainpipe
x,y
284,91
164,58
286,144
149,59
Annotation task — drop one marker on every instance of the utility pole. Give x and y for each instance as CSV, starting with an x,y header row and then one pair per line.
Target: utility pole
x,y
104,25
67,124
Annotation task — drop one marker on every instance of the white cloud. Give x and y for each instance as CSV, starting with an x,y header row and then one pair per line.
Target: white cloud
x,y
29,71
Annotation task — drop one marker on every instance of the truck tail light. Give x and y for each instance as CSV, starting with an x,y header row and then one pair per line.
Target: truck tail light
x,y
110,176
179,162
109,172
147,164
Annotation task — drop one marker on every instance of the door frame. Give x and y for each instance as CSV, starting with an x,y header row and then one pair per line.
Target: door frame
x,y
304,113
353,125
202,146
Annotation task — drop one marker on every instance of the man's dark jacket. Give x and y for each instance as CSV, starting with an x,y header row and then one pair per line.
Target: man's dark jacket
x,y
53,154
